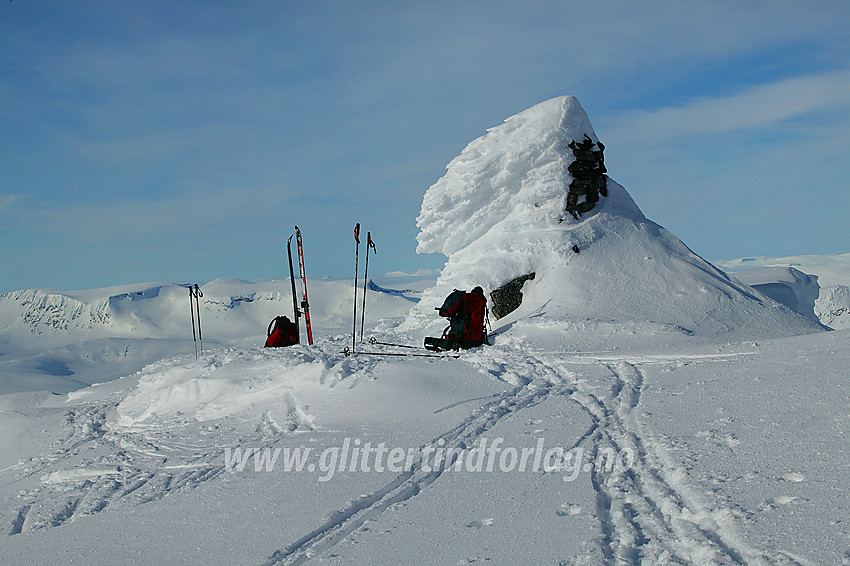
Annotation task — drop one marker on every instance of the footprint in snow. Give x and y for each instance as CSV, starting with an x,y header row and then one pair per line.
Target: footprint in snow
x,y
568,510
794,477
775,502
481,523
782,500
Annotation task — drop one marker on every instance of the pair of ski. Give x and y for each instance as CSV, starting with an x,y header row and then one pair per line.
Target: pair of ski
x,y
305,304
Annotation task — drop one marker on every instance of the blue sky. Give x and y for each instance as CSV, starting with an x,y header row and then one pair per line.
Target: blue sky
x,y
181,141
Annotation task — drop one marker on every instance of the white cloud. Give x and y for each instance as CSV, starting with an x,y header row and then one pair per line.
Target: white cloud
x,y
7,201
139,147
759,107
101,222
419,273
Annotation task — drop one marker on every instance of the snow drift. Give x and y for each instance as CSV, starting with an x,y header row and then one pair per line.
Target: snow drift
x,y
832,272
791,287
499,213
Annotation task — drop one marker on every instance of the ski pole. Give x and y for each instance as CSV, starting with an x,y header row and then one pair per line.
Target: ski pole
x,y
348,353
198,295
373,341
192,312
356,268
369,244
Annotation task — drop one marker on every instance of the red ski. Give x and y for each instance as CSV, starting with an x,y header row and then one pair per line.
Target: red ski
x,y
305,305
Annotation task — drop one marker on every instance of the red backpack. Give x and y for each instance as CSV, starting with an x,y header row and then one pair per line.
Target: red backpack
x,y
281,332
466,313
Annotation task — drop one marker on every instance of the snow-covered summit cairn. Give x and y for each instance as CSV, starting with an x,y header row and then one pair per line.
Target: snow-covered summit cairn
x,y
504,210
516,177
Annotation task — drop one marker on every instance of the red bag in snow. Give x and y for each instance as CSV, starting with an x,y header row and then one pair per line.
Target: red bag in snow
x,y
466,313
281,332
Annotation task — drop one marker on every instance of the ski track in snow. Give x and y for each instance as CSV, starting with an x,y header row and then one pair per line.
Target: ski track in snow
x,y
94,468
410,483
652,512
649,513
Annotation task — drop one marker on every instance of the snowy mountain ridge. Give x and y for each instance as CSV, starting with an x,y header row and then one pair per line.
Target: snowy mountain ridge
x,y
49,311
830,269
158,309
49,339
787,285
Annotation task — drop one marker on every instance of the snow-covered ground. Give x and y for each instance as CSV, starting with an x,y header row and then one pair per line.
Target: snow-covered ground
x,y
639,407
728,453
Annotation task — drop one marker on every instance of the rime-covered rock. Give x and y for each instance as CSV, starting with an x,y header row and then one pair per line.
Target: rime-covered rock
x,y
499,213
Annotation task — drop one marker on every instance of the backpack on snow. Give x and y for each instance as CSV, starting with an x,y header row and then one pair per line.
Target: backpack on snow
x,y
281,332
466,313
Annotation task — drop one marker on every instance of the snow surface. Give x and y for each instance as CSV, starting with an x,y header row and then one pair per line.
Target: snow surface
x,y
833,306
726,412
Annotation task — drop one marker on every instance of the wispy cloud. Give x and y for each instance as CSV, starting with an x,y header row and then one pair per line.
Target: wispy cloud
x,y
161,219
758,107
144,146
8,201
140,106
749,172
418,273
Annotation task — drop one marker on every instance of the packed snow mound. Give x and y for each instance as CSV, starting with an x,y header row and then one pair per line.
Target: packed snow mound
x,y
499,213
224,383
